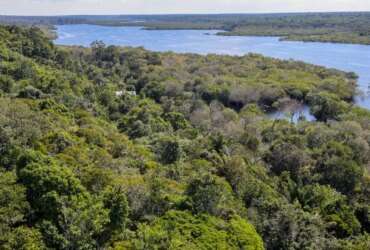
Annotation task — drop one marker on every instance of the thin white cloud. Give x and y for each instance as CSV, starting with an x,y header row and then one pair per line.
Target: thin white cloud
x,y
64,7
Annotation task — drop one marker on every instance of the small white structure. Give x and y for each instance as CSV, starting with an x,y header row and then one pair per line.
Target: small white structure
x,y
133,93
123,92
119,93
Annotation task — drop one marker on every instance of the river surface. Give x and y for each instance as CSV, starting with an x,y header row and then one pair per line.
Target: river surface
x,y
347,57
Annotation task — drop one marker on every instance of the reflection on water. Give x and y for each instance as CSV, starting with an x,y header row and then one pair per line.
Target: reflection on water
x,y
299,113
347,57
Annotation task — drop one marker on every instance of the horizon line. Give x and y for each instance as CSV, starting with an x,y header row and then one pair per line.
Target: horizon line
x,y
200,13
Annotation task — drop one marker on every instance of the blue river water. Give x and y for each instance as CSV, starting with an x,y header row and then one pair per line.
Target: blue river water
x,y
347,57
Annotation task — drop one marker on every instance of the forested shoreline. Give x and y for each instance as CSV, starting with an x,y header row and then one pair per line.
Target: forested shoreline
x,y
335,27
122,148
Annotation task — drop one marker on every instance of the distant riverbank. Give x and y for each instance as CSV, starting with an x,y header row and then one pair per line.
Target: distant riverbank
x,y
346,57
334,27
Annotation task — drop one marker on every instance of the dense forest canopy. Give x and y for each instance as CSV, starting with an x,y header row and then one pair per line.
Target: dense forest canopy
x,y
122,148
339,27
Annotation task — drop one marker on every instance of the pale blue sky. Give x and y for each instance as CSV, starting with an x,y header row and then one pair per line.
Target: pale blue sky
x,y
67,7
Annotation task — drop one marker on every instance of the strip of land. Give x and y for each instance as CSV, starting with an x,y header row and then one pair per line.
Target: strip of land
x,y
340,27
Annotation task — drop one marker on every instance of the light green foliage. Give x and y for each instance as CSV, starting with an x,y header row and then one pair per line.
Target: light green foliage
x,y
181,230
122,148
24,238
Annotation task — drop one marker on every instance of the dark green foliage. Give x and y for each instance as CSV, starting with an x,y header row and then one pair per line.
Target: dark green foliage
x,y
143,120
285,156
30,92
168,150
80,219
13,204
177,120
115,200
332,207
326,106
337,168
122,148
6,83
209,194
